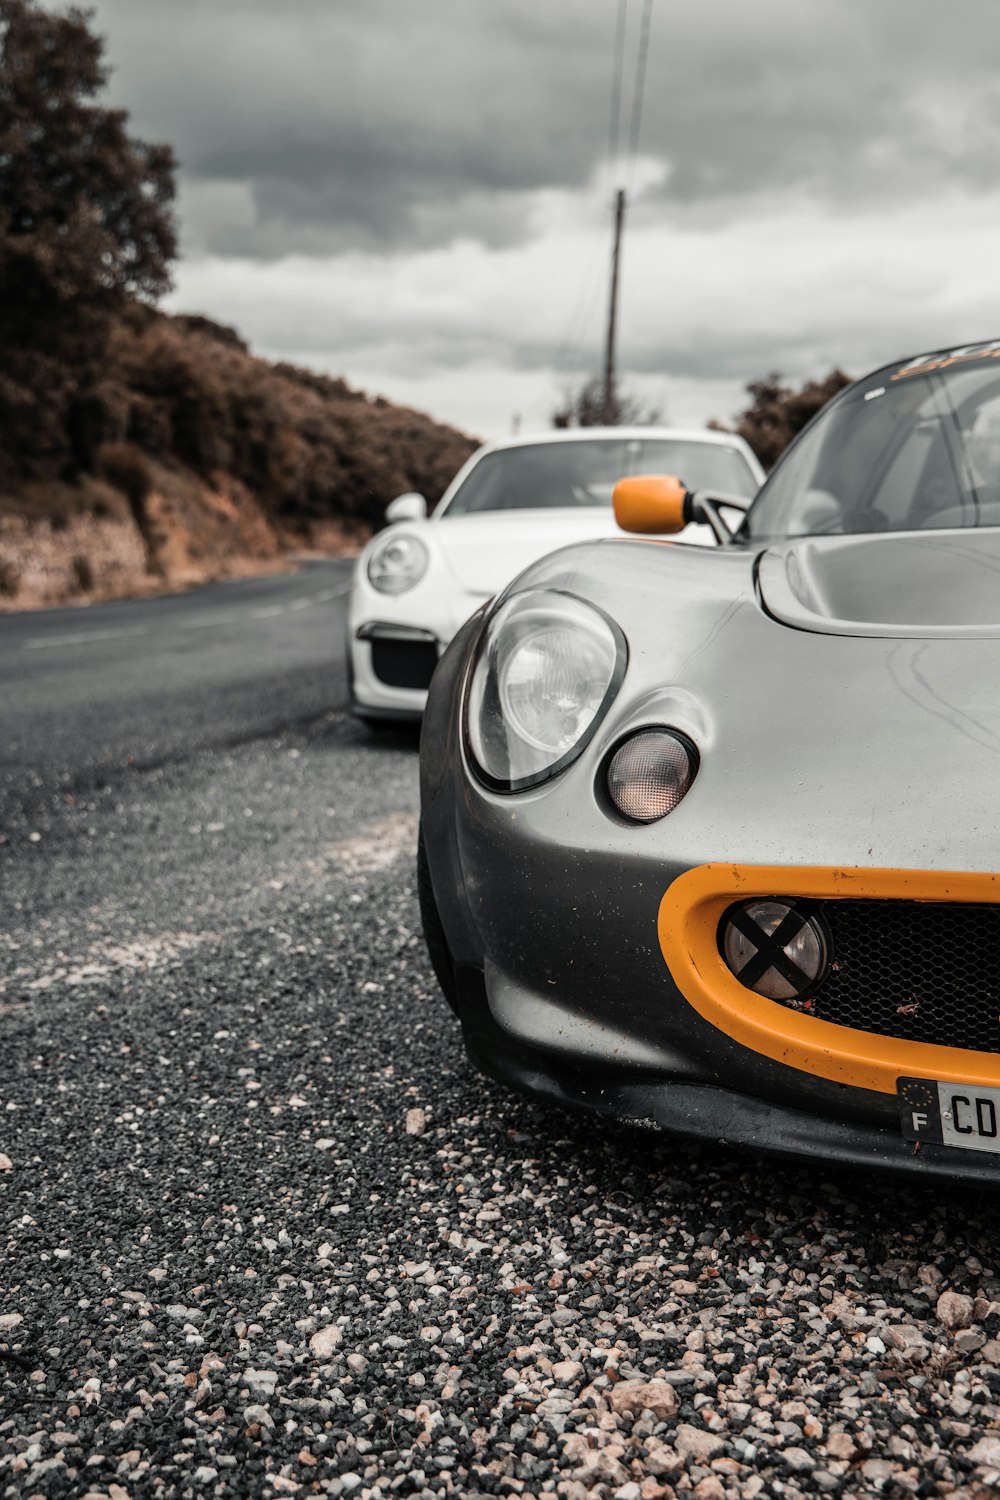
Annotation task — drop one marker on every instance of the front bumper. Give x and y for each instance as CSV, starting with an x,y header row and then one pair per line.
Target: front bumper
x,y
701,1111
393,641
675,1044
390,669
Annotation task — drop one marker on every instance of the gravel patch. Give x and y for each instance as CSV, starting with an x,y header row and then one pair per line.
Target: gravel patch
x,y
264,1232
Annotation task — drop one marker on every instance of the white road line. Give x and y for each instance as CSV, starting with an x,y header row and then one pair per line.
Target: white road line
x,y
207,622
306,603
198,622
323,598
267,612
40,642
328,594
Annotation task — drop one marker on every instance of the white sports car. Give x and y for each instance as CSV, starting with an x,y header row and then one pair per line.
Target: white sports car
x,y
416,583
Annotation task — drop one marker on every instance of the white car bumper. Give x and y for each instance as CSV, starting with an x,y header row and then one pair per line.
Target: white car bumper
x,y
394,642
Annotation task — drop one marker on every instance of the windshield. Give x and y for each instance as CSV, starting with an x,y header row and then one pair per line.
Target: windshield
x,y
915,448
584,473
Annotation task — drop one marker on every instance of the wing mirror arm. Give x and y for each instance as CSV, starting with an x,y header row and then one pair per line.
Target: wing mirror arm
x,y
708,510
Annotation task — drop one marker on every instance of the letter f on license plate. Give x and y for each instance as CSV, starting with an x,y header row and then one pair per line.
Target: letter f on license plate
x,y
952,1114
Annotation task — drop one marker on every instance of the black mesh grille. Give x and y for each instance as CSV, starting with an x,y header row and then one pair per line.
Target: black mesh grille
x,y
921,971
404,664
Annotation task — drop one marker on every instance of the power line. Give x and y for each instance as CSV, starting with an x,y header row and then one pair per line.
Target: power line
x,y
635,128
572,350
618,65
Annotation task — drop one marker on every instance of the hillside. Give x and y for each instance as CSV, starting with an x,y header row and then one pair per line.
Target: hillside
x,y
191,459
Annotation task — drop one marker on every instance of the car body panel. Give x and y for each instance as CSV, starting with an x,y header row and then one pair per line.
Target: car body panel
x,y
859,585
484,552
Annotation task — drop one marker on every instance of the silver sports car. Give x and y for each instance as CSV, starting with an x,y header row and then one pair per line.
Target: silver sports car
x,y
707,833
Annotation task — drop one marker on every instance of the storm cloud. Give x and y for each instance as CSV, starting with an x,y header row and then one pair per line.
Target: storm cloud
x,y
339,124
422,189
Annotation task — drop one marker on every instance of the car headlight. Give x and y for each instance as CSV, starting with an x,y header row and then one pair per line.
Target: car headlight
x,y
397,563
547,669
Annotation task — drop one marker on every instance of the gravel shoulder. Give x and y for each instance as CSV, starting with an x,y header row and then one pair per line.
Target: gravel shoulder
x,y
262,1230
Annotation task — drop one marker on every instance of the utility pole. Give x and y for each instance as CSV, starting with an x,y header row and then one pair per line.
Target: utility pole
x,y
609,357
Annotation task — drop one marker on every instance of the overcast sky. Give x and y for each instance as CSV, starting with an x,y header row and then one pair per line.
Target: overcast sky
x,y
417,194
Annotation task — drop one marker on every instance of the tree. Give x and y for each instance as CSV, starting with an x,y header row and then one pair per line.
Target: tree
x,y
85,223
777,413
585,407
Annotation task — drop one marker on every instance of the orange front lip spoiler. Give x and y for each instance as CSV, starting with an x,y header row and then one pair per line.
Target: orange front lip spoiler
x,y
688,924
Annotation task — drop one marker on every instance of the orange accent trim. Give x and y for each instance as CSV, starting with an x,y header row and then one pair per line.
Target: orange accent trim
x,y
942,364
687,926
915,370
650,503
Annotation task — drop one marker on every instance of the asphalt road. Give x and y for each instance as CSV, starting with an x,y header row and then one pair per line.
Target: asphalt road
x,y
153,679
262,1231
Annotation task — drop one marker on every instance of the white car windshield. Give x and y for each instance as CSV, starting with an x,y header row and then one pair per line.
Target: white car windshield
x,y
913,447
563,474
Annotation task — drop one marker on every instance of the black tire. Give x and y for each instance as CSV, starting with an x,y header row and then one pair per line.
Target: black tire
x,y
437,943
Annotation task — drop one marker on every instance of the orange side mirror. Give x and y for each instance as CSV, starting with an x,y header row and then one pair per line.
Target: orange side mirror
x,y
652,503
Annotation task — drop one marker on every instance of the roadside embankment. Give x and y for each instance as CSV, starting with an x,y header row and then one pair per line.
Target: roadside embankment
x,y
189,459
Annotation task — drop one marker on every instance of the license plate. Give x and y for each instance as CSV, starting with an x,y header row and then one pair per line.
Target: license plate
x,y
952,1114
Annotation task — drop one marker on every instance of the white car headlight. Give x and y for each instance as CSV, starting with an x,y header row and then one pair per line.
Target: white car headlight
x,y
547,669
397,563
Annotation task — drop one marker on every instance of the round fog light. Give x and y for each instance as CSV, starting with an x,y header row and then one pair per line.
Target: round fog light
x,y
649,774
775,947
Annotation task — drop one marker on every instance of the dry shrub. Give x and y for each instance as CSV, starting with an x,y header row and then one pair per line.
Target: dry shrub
x,y
122,465
82,571
10,579
97,417
183,393
777,413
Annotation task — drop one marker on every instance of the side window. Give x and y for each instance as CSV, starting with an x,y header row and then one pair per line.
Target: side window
x,y
982,444
787,492
919,451
920,479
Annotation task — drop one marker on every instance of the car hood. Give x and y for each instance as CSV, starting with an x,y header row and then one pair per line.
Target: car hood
x,y
911,585
818,747
485,552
